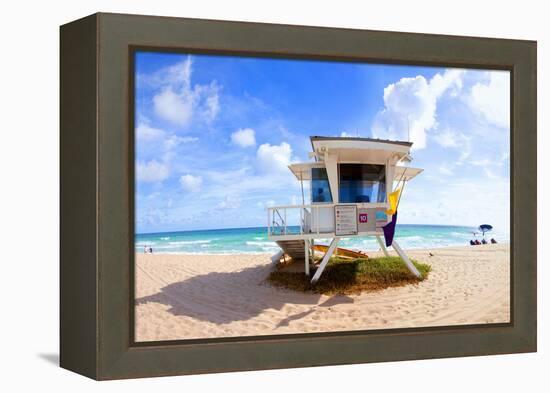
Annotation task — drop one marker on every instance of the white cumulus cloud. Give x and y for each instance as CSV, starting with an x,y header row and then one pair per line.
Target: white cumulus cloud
x,y
191,183
491,99
151,171
174,107
274,158
179,101
410,106
244,137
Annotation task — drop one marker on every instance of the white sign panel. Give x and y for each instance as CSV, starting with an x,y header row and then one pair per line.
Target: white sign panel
x,y
345,219
366,220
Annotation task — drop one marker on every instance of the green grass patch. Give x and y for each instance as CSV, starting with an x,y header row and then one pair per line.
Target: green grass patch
x,y
352,276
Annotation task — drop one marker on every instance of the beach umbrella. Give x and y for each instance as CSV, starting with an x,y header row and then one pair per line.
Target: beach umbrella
x,y
485,228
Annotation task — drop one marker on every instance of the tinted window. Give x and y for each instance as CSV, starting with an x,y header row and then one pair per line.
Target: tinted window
x,y
362,183
320,189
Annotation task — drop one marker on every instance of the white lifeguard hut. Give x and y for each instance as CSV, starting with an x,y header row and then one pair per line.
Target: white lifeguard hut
x,y
351,181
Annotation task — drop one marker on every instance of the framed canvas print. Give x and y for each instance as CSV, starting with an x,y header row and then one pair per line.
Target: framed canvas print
x,y
240,196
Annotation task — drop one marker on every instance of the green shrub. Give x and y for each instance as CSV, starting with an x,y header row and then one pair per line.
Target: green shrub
x,y
352,276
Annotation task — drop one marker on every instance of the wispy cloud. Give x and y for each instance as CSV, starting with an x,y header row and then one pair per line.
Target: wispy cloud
x,y
491,98
445,169
155,150
191,183
229,202
151,171
450,138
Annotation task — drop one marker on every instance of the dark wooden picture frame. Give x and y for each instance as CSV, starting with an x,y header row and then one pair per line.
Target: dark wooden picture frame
x,y
97,207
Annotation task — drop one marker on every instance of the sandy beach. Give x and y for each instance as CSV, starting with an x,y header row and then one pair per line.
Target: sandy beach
x,y
205,296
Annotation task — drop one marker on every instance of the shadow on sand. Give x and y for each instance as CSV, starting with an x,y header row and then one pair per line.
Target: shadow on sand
x,y
225,297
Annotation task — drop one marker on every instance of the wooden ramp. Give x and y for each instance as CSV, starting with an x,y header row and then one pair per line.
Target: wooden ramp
x,y
293,248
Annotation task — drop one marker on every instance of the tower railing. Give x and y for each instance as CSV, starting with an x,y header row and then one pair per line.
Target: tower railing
x,y
307,219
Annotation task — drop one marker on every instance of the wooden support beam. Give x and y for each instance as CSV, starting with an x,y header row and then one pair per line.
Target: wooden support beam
x,y
406,259
325,260
306,256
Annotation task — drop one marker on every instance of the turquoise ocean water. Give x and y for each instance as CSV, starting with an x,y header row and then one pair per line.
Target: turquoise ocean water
x,y
254,240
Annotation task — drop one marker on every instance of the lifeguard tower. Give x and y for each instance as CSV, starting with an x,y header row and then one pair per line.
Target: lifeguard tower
x,y
352,194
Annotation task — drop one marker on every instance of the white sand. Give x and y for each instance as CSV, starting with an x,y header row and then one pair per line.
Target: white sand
x,y
204,296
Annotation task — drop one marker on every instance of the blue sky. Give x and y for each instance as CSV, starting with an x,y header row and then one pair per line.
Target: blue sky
x,y
214,135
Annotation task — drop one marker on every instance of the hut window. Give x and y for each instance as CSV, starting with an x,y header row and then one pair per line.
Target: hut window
x,y
362,183
320,188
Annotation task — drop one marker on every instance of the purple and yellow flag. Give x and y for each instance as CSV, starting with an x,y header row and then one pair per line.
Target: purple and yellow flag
x,y
389,230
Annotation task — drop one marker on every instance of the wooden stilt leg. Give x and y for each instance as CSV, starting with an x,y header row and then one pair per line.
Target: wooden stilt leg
x,y
382,246
325,260
306,256
406,259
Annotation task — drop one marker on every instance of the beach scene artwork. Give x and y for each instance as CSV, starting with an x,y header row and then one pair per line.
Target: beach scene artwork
x,y
289,196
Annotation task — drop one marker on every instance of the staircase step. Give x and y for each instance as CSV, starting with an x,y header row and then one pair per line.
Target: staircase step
x,y
293,248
